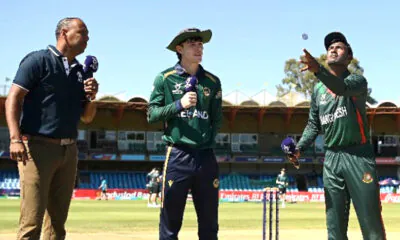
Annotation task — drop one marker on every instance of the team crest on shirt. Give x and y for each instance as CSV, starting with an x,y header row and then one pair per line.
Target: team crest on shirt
x,y
177,89
367,178
170,182
322,99
79,75
206,91
216,183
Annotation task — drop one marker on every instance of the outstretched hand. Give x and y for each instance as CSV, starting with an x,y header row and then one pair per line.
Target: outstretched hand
x,y
309,61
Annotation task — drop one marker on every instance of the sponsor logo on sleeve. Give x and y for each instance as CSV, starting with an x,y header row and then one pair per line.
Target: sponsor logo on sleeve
x,y
177,89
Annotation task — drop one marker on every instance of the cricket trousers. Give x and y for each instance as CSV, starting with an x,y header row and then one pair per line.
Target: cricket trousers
x,y
47,182
350,175
195,169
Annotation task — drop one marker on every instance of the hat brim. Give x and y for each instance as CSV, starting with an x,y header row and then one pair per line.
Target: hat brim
x,y
334,36
204,35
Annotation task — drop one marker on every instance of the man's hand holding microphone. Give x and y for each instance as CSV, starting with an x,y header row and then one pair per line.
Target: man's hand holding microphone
x,y
91,85
293,154
189,99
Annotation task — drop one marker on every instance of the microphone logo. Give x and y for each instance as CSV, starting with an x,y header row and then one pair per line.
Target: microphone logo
x,y
91,64
191,86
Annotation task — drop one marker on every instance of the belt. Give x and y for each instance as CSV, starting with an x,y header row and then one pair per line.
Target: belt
x,y
57,141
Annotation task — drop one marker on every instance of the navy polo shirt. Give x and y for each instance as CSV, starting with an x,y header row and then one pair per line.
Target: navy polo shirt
x,y
55,98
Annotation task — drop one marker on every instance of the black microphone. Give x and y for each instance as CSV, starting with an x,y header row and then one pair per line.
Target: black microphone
x,y
89,67
191,86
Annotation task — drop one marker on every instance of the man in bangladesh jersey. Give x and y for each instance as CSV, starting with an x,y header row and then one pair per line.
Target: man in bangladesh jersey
x,y
338,109
187,99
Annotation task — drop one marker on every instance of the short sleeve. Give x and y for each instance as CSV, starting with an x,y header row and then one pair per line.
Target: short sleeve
x,y
28,73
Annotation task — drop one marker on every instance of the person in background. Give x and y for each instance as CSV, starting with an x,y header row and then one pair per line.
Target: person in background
x,y
103,187
153,187
282,182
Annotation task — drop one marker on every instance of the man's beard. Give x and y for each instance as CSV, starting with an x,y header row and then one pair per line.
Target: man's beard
x,y
337,62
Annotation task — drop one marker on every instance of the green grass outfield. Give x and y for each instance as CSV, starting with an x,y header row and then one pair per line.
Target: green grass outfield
x,y
132,219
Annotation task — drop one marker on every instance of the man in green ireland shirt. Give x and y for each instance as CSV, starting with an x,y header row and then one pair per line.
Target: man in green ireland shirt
x,y
338,109
188,100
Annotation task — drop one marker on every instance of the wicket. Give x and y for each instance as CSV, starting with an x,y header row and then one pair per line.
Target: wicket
x,y
272,193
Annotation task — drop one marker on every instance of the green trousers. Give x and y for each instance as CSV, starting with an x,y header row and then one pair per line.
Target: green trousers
x,y
350,174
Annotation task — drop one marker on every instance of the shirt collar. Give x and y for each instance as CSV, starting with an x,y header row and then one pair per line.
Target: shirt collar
x,y
58,54
345,74
181,71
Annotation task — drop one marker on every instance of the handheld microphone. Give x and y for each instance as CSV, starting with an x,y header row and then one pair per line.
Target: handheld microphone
x,y
90,66
191,86
289,148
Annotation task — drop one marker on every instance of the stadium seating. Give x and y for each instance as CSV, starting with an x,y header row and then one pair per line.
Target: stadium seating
x,y
9,180
137,180
115,179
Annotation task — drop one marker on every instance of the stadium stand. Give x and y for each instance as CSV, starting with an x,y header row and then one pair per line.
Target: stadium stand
x,y
248,146
137,180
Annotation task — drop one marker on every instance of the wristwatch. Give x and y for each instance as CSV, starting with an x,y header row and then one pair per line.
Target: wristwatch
x,y
16,141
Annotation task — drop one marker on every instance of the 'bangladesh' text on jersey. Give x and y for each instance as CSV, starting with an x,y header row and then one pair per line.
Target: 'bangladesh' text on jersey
x,y
196,126
330,118
338,110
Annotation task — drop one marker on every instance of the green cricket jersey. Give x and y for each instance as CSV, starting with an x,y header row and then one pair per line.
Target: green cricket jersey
x,y
196,126
282,178
338,110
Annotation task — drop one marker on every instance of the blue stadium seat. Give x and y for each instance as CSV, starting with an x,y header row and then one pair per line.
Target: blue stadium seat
x,y
320,182
131,179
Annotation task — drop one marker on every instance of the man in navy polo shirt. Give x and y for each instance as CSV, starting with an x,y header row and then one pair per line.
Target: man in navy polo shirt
x,y
50,93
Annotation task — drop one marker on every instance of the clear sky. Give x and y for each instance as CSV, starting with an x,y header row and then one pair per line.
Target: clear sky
x,y
251,39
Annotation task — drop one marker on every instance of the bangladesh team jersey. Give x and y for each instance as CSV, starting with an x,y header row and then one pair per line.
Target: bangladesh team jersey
x,y
338,110
196,126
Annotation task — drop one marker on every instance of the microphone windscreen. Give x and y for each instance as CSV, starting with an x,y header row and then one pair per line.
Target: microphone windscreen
x,y
91,64
288,146
191,84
